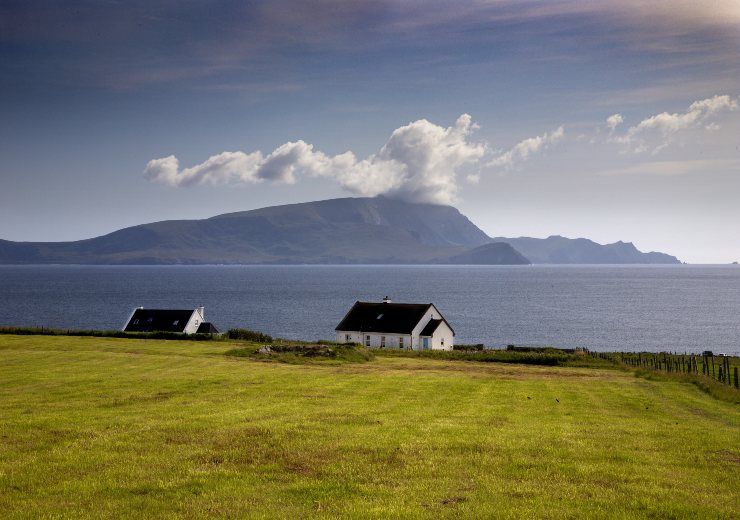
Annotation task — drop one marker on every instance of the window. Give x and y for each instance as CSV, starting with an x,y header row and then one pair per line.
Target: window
x,y
443,342
347,338
367,341
379,316
136,322
176,323
382,341
400,342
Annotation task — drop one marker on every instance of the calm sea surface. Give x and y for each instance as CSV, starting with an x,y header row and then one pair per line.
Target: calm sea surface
x,y
653,308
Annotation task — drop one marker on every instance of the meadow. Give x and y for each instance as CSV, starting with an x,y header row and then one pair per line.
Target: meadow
x,y
116,428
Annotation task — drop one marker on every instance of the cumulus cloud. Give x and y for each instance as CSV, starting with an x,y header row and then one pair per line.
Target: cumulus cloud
x,y
662,128
614,120
419,162
524,149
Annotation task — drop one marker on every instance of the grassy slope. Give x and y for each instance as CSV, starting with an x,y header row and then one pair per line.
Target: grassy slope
x,y
109,427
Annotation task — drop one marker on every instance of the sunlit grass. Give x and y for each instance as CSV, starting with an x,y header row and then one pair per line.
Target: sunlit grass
x,y
121,428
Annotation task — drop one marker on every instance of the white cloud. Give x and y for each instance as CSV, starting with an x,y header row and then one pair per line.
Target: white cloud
x,y
420,163
522,150
614,120
672,168
656,132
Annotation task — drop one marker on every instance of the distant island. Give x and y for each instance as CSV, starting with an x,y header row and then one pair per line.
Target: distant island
x,y
337,231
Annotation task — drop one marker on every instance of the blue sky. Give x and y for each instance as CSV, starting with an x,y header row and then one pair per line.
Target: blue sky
x,y
119,113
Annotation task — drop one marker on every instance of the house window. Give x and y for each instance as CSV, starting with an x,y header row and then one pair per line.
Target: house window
x,y
367,341
176,323
400,342
443,342
347,338
136,322
379,316
382,341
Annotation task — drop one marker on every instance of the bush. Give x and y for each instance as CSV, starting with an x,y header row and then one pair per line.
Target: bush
x,y
248,335
478,347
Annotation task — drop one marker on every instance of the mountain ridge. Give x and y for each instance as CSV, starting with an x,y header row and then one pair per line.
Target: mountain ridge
x,y
557,249
348,230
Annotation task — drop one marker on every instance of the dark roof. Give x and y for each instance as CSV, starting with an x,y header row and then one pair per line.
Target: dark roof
x,y
159,320
394,318
430,327
207,328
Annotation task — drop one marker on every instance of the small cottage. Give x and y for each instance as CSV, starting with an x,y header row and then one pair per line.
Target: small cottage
x,y
184,321
415,326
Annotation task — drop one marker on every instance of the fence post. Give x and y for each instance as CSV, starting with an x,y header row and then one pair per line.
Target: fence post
x,y
736,380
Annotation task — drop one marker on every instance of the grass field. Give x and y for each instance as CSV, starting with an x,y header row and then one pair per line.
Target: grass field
x,y
108,427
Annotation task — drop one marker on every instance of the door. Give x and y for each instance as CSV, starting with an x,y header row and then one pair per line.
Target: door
x,y
425,343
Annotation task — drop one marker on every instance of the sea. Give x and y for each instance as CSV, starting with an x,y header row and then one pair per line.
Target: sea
x,y
676,308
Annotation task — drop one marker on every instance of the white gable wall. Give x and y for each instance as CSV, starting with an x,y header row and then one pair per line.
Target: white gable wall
x,y
443,338
433,314
195,320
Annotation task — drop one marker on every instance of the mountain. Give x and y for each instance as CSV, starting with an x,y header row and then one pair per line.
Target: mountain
x,y
338,231
349,230
495,253
560,250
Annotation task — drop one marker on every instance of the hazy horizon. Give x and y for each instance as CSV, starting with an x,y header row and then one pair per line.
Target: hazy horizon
x,y
603,120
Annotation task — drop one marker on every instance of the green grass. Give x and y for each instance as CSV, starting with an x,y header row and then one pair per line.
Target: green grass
x,y
105,427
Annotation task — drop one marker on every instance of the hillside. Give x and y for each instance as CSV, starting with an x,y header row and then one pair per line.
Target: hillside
x,y
561,250
495,253
113,428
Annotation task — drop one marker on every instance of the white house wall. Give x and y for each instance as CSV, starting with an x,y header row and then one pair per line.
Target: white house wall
x,y
443,338
391,340
431,314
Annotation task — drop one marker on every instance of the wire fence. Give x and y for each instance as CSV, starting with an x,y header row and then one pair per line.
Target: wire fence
x,y
723,369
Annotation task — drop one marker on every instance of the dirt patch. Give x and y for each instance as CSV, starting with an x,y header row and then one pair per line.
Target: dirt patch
x,y
728,456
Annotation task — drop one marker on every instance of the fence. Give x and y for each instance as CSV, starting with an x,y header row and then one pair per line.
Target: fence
x,y
723,369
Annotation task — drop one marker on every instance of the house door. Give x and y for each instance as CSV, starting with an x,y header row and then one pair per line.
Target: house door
x,y
425,343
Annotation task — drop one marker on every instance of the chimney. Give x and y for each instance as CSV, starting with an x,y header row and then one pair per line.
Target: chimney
x,y
386,299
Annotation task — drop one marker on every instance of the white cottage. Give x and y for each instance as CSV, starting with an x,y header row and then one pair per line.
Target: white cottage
x,y
416,326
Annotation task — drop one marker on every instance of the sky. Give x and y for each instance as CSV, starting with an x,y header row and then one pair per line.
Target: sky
x,y
610,120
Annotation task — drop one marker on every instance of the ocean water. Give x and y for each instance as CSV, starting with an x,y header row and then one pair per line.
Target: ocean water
x,y
646,308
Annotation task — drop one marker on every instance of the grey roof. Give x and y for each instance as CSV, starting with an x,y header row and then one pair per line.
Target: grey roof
x,y
159,320
393,318
207,328
430,327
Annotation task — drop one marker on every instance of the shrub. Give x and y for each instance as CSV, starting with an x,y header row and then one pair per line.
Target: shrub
x,y
478,347
248,335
